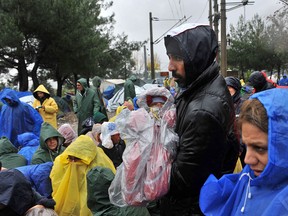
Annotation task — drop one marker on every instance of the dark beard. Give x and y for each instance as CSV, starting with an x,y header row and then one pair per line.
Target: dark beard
x,y
180,81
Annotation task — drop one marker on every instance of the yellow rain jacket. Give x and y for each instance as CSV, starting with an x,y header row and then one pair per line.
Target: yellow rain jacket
x,y
118,110
69,178
49,114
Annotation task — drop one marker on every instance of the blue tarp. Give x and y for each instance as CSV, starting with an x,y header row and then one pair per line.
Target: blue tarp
x,y
109,92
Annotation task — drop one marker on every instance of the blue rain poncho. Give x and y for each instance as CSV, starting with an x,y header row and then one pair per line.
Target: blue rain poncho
x,y
38,176
245,194
17,117
28,143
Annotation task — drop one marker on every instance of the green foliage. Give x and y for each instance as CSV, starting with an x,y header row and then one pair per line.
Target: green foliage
x,y
117,62
277,37
258,45
62,37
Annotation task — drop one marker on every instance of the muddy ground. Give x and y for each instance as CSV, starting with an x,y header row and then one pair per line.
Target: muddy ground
x,y
71,119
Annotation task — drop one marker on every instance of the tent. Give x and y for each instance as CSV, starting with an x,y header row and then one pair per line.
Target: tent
x,y
118,98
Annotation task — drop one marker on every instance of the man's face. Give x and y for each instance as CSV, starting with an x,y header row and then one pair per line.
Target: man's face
x,y
256,142
176,65
115,138
79,86
52,143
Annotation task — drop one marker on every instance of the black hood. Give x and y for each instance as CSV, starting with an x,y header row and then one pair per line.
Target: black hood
x,y
15,192
196,44
233,82
236,84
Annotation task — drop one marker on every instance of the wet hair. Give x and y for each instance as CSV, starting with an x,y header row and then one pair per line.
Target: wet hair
x,y
253,112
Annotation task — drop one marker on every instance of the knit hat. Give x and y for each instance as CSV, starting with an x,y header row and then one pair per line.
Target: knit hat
x,y
257,80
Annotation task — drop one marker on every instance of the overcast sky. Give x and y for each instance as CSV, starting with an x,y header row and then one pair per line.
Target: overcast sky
x,y
132,18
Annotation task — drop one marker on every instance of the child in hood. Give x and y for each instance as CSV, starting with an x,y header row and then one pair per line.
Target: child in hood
x,y
51,145
150,140
45,105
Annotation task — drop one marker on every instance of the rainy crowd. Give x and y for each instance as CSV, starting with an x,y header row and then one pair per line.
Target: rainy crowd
x,y
202,144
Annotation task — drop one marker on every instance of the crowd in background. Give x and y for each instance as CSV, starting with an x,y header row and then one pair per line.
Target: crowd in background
x,y
200,144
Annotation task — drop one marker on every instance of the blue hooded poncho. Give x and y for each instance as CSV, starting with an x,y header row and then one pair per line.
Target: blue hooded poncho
x,y
245,194
17,117
28,143
38,176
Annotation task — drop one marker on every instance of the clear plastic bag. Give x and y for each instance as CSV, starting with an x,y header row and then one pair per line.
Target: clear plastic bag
x,y
144,175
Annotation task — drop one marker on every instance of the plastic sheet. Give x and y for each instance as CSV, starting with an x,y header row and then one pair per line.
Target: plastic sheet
x,y
144,175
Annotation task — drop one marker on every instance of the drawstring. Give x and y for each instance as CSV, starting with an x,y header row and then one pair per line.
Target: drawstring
x,y
248,191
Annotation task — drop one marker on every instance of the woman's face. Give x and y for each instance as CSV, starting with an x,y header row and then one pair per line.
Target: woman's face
x,y
256,142
231,90
79,86
40,94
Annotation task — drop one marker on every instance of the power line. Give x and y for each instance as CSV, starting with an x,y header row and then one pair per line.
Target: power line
x,y
177,12
171,8
181,9
184,19
203,11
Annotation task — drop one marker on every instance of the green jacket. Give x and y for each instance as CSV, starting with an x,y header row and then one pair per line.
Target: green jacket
x,y
96,81
129,88
43,153
86,104
8,155
98,182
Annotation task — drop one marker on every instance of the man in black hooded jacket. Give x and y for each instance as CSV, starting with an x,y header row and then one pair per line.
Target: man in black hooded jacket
x,y
205,117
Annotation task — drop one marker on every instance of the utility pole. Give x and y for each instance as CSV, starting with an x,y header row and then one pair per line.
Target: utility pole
x,y
151,47
145,64
223,65
210,14
216,18
216,23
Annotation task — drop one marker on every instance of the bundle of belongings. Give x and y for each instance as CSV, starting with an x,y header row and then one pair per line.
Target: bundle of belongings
x,y
151,142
